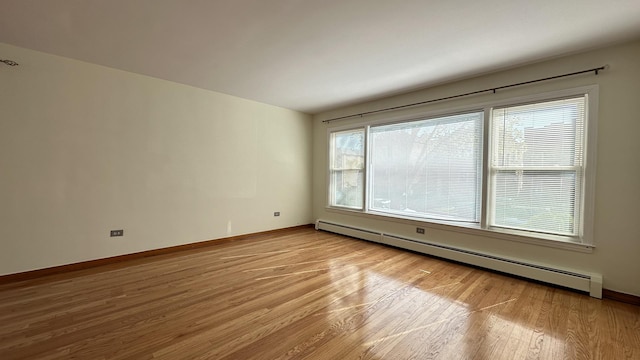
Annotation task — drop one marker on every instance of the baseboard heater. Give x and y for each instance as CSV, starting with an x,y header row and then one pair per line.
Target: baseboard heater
x,y
591,283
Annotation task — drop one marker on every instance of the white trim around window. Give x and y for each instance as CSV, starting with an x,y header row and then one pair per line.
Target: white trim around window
x,y
530,179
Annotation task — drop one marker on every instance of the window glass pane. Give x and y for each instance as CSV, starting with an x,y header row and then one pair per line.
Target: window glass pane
x,y
543,134
347,169
428,168
542,201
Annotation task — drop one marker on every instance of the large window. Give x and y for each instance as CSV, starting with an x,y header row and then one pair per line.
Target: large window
x,y
428,168
516,168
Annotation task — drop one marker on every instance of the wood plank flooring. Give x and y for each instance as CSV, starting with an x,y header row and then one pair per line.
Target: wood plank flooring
x,y
306,295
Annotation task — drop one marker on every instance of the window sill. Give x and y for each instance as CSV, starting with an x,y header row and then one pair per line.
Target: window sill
x,y
552,241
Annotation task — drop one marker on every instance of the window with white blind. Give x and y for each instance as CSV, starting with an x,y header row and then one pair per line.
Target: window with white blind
x,y
347,168
429,168
536,166
520,169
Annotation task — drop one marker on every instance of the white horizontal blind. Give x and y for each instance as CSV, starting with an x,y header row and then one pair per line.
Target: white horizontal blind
x,y
537,166
347,169
428,168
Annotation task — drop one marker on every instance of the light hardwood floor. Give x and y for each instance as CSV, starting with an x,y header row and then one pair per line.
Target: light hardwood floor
x,y
306,295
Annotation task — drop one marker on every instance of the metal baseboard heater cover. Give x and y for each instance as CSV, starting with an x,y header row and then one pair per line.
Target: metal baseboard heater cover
x,y
591,283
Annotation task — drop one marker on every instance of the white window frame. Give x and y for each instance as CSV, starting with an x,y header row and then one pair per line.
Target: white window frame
x,y
584,242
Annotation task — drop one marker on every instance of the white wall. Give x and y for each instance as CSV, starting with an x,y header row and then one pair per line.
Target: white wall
x,y
617,214
85,149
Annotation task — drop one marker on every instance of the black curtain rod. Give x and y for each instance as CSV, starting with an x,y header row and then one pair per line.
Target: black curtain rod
x,y
594,70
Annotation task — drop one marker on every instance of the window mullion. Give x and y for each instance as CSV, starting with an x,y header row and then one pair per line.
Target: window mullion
x,y
486,193
367,171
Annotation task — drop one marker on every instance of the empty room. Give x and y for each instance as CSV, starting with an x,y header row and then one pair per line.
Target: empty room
x,y
294,179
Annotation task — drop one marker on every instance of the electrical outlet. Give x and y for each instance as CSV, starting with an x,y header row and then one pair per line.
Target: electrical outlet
x,y
420,230
277,213
117,233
